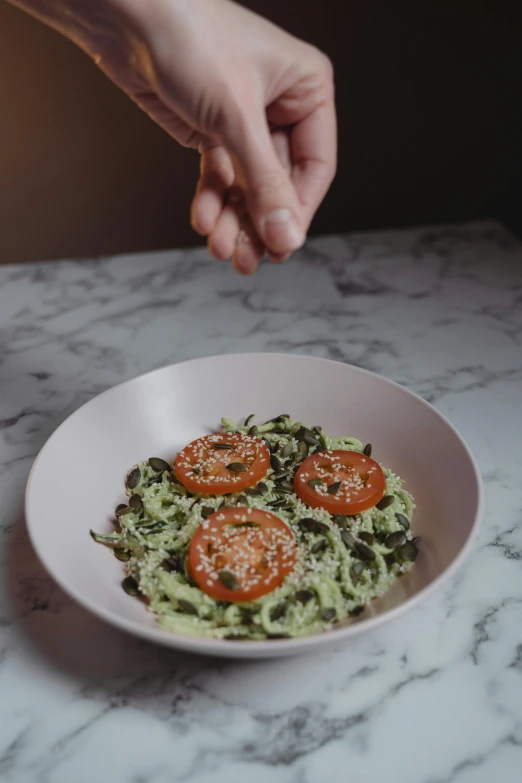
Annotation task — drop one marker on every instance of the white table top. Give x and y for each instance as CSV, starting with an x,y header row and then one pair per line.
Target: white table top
x,y
436,696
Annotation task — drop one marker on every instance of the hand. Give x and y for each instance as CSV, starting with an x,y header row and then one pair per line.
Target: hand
x,y
256,102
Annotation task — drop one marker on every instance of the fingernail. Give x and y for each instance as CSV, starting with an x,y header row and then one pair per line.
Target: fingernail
x,y
281,231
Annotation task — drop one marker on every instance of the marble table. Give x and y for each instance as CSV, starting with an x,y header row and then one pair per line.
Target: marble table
x,y
436,696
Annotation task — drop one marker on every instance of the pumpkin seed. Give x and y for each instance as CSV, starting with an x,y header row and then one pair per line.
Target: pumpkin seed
x,y
252,492
348,540
133,478
276,464
328,614
319,546
267,444
308,524
369,538
386,501
395,539
314,482
356,611
341,520
159,465
367,451
224,446
277,503
187,606
302,452
402,520
130,585
322,527
334,488
123,511
228,580
303,596
365,551
280,490
317,429
389,559
171,563
153,527
310,439
121,554
206,511
278,611
283,474
253,431
356,571
237,467
119,508
262,487
156,479
242,501
409,551
288,450
136,503
244,524
248,420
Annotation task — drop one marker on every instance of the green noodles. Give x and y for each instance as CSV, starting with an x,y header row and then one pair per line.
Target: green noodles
x,y
331,579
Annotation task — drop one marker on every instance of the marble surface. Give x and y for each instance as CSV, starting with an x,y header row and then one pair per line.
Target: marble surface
x,y
435,697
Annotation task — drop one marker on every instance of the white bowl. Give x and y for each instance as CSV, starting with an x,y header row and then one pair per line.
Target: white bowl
x,y
77,480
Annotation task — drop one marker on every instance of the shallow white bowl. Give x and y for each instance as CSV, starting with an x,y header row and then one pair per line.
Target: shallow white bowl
x,y
77,480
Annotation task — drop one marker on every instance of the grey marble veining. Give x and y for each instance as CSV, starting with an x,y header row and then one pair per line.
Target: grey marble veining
x,y
435,697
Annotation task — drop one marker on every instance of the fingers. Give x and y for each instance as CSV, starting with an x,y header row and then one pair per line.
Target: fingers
x,y
217,175
314,157
249,249
222,240
270,194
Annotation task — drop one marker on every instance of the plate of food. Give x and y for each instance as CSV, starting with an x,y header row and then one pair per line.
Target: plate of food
x,y
253,505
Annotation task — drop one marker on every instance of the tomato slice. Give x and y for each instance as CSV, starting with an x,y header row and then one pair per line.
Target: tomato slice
x,y
239,554
218,464
342,482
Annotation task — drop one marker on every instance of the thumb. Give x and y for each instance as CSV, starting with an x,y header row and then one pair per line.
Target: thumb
x,y
270,195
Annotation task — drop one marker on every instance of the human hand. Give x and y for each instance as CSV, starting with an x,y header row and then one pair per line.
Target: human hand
x,y
256,102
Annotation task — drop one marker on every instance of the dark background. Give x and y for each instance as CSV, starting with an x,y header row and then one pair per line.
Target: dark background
x,y
430,130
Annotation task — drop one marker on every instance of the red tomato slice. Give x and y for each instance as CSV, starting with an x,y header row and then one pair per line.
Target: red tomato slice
x,y
218,464
342,482
239,554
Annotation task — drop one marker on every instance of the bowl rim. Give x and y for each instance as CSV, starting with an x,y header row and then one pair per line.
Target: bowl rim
x,y
269,647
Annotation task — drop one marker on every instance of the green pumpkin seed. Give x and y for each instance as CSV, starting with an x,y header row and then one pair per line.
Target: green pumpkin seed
x,y
368,538
386,501
154,527
228,580
244,524
328,614
356,571
206,511
277,503
314,482
408,551
356,611
280,476
303,596
237,467
187,606
253,431
135,502
317,429
348,540
121,554
159,465
402,520
308,524
248,420
276,464
334,488
224,446
341,520
310,439
130,585
242,501
365,551
119,508
319,546
124,510
171,563
395,539
262,487
367,451
133,478
267,444
288,450
280,490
